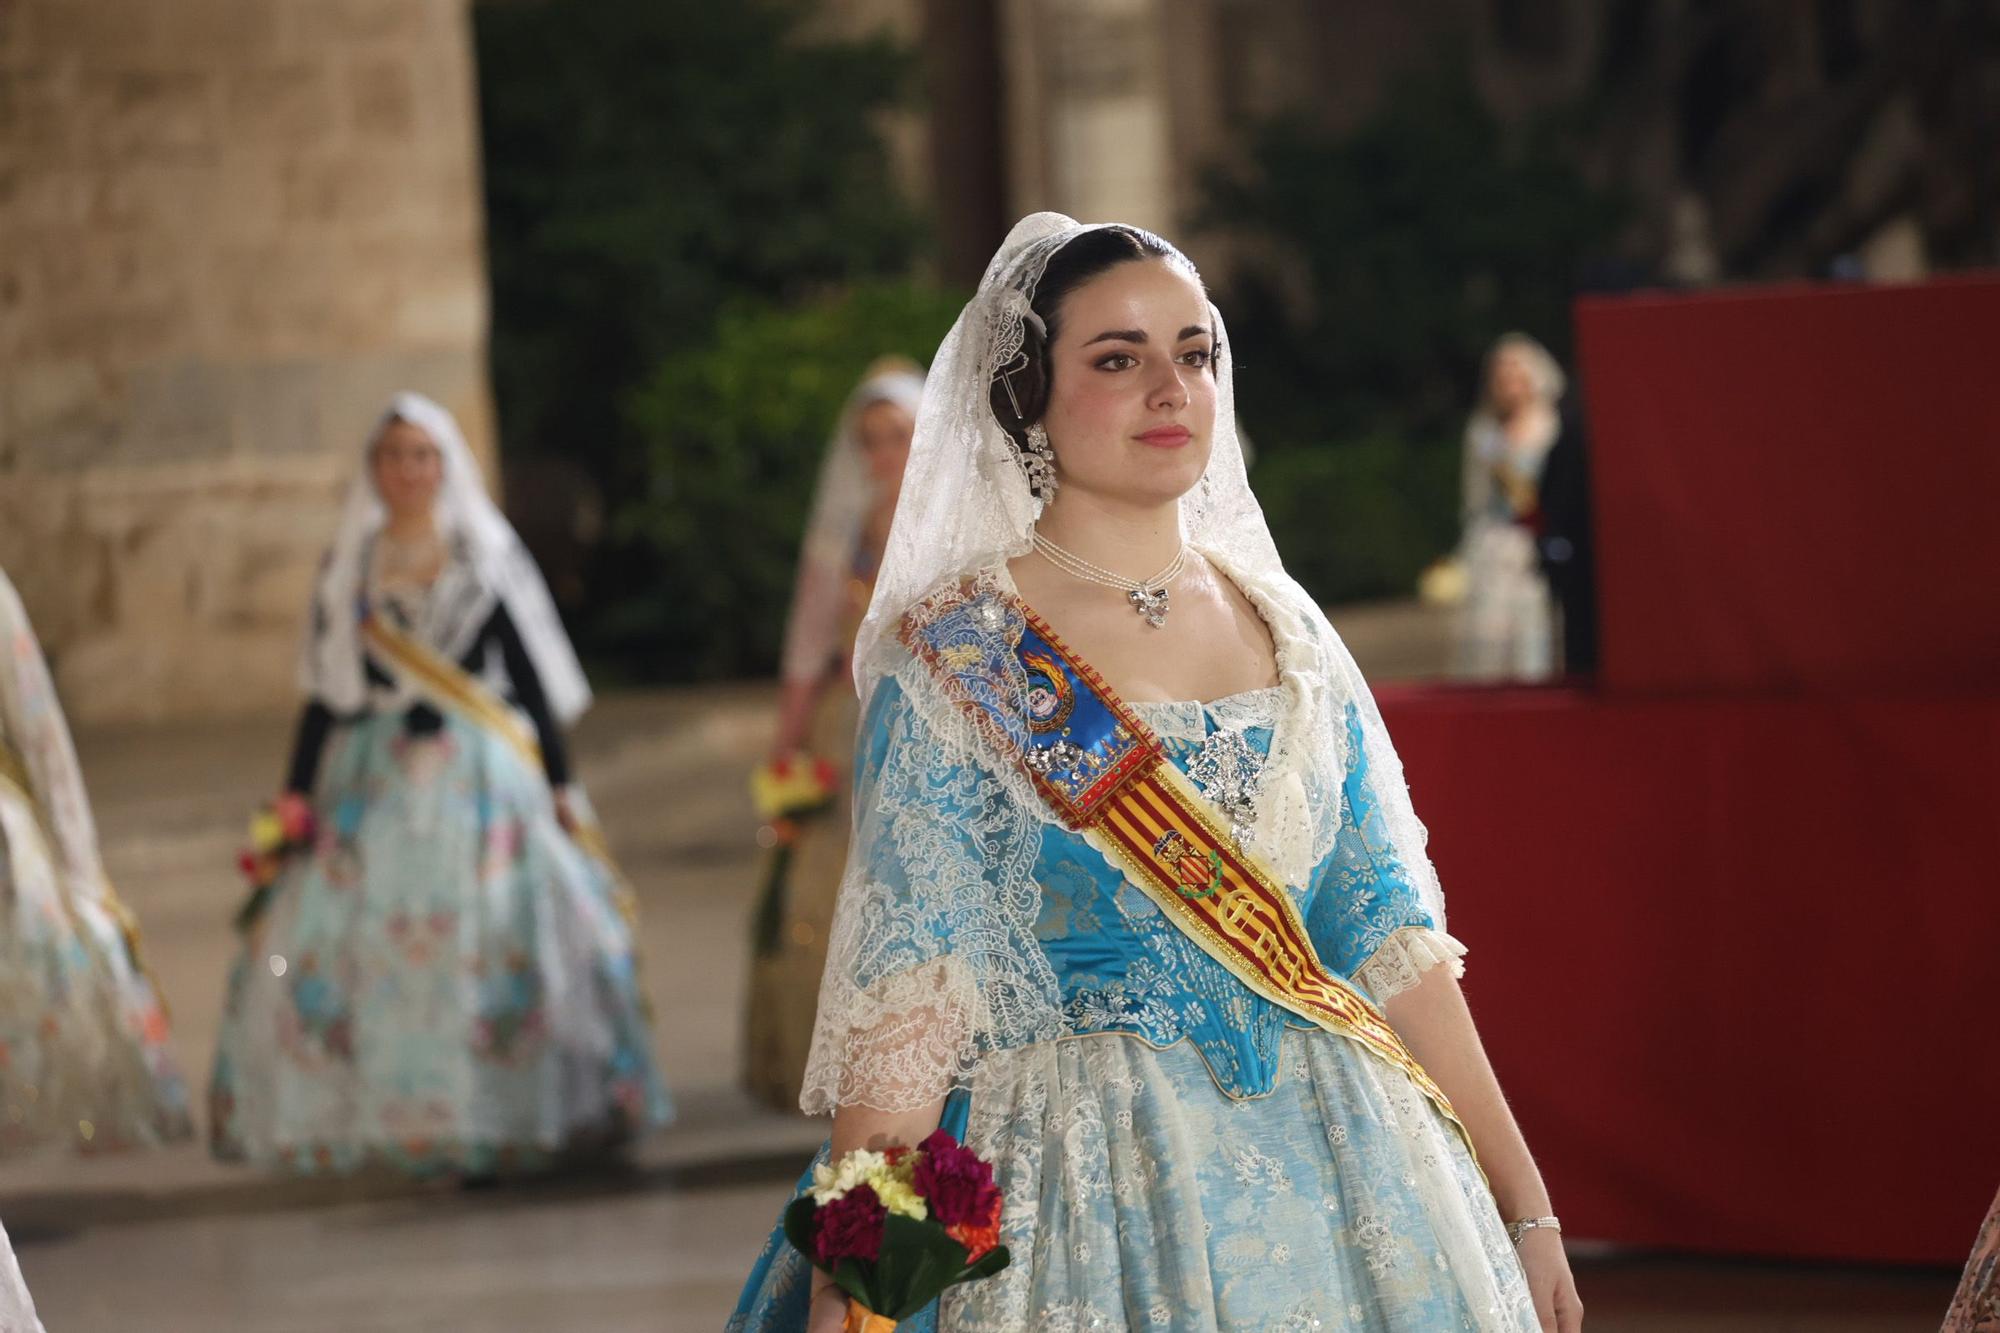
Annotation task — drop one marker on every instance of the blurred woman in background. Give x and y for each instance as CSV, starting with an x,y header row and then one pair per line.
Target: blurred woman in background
x,y
85,1057
442,975
1137,907
1507,621
859,481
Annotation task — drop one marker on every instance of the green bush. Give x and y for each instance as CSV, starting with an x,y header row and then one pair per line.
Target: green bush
x,y
733,433
646,163
1357,520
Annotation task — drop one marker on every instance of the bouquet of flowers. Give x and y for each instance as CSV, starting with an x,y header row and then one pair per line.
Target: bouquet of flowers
x,y
276,832
788,793
895,1228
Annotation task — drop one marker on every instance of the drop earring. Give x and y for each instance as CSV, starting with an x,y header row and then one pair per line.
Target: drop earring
x,y
1038,460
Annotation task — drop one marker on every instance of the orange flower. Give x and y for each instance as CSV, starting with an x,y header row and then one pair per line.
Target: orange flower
x,y
977,1240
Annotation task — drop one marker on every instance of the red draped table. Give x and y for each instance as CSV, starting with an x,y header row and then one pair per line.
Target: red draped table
x,y
1736,961
1735,912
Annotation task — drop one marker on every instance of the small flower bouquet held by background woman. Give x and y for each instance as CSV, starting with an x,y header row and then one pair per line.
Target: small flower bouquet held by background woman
x,y
895,1228
788,794
276,832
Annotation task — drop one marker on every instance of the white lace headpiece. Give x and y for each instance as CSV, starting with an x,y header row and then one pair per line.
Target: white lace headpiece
x,y
933,959
965,504
500,571
843,497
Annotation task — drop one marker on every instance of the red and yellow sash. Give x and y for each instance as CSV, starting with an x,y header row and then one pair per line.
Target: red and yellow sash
x,y
1105,773
457,691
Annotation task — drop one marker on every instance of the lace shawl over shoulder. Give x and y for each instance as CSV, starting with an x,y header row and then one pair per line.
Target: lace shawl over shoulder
x,y
933,957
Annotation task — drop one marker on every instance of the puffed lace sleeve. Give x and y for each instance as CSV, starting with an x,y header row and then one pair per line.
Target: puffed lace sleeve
x,y
1368,920
933,958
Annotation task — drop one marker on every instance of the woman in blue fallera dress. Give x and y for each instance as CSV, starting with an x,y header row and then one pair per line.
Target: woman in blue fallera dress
x,y
445,981
86,1056
1137,903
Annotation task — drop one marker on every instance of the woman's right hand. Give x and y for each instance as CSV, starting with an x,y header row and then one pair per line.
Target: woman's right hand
x,y
829,1307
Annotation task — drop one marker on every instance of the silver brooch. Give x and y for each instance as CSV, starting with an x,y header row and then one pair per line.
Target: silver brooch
x,y
989,616
1229,771
1060,757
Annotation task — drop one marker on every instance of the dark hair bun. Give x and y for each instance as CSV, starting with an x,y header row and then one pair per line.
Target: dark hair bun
x,y
1020,390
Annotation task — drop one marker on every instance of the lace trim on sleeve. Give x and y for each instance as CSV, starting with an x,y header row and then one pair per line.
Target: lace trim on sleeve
x,y
1404,957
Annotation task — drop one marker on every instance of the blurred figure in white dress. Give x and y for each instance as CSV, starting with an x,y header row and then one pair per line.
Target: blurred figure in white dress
x,y
1507,622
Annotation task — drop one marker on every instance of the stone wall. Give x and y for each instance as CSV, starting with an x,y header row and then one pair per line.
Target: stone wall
x,y
229,229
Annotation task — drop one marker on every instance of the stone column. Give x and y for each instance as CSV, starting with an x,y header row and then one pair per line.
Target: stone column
x,y
1088,119
229,229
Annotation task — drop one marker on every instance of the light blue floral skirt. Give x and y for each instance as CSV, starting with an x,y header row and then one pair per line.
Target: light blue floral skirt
x,y
1138,1195
86,1058
447,983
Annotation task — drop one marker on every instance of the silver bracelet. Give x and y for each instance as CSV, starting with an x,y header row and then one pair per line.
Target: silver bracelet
x,y
1516,1230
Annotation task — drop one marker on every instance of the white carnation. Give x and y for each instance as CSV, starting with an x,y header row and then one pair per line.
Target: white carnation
x,y
831,1182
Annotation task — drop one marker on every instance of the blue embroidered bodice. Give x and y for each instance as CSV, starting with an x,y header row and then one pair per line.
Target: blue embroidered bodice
x,y
1122,965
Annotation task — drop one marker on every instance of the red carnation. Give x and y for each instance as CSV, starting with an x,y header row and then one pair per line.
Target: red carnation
x,y
295,814
958,1186
850,1227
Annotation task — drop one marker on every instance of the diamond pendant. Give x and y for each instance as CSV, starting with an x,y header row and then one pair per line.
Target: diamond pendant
x,y
1230,772
1150,603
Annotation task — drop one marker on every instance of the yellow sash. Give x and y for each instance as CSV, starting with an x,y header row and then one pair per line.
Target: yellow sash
x,y
1523,495
449,686
14,776
15,779
1106,774
457,691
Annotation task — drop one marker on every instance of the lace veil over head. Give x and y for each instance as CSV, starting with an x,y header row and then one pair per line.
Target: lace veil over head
x,y
843,498
933,960
494,569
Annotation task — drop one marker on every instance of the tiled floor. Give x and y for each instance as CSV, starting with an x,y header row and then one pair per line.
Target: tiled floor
x,y
174,1244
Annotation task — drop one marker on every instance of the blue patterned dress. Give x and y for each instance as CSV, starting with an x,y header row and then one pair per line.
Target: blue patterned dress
x,y
446,983
1190,1155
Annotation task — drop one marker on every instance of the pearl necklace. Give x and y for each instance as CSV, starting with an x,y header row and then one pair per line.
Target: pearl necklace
x,y
1147,596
